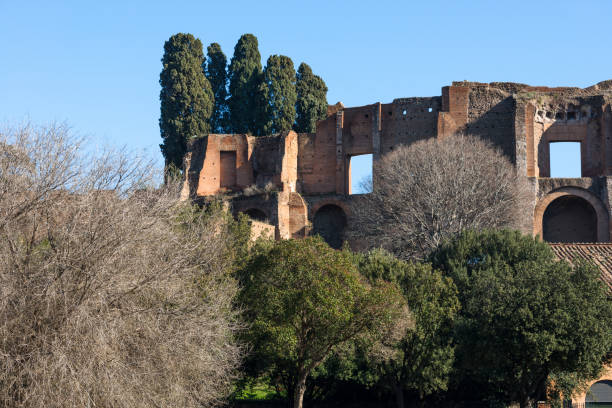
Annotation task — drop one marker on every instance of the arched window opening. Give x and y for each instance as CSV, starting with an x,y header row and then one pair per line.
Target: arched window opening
x,y
570,219
330,223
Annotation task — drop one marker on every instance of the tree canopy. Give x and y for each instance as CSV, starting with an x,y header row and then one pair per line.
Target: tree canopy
x,y
280,82
247,101
311,99
525,316
303,299
186,97
216,72
433,189
423,358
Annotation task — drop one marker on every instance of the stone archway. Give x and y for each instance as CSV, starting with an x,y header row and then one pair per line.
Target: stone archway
x,y
585,396
330,223
571,210
569,219
600,394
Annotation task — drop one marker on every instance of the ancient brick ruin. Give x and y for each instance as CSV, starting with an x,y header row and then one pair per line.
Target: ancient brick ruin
x,y
300,183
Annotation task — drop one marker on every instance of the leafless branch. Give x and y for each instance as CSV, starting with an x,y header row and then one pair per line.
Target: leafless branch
x,y
107,299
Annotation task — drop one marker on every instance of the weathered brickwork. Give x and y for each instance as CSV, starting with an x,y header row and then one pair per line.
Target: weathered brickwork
x,y
301,182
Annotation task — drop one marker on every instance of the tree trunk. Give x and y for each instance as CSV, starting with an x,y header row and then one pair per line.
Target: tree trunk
x,y
300,388
399,395
525,402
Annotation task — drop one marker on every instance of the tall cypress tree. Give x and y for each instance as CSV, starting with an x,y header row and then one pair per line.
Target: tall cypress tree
x,y
311,99
186,96
247,105
216,72
280,80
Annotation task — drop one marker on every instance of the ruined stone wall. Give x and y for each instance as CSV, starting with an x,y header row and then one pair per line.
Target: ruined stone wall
x,y
312,170
491,117
357,130
408,120
317,158
203,167
568,120
266,159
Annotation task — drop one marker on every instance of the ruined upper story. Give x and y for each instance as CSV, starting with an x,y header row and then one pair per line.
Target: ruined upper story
x,y
521,120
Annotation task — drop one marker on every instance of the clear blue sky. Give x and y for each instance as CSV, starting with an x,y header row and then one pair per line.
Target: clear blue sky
x,y
96,64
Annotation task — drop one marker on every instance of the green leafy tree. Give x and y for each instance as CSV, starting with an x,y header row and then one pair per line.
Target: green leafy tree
x,y
247,101
186,97
311,103
423,358
280,81
216,72
304,299
525,316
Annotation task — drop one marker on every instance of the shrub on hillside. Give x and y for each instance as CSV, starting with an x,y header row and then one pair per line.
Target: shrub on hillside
x,y
111,293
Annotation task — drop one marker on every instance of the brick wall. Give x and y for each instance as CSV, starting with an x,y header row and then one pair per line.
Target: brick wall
x,y
519,119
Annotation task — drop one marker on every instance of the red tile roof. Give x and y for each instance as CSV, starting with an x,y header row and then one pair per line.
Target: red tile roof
x,y
599,254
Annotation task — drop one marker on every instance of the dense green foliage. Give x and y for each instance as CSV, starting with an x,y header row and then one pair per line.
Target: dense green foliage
x,y
524,316
280,81
494,317
186,96
311,99
303,299
423,357
216,72
247,101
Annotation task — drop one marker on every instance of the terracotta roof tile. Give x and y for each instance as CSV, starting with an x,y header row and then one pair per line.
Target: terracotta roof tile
x,y
599,254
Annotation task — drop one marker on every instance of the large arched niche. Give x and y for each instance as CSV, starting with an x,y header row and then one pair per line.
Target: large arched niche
x,y
600,393
330,222
569,219
595,389
571,214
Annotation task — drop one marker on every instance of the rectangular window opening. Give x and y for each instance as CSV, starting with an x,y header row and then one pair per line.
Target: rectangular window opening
x,y
565,160
360,176
227,176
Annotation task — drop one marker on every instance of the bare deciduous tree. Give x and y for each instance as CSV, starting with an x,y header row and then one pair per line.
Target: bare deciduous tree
x,y
433,189
111,293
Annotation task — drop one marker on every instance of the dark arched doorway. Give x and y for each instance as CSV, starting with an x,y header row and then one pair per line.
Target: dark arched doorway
x,y
570,219
256,214
600,394
330,223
